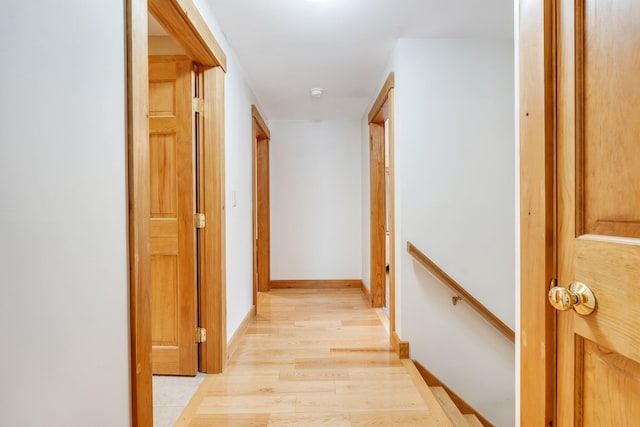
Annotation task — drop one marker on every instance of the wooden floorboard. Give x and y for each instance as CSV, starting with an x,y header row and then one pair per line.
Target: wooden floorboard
x,y
311,357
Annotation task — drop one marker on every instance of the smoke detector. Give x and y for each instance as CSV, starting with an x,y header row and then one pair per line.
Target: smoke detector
x,y
317,92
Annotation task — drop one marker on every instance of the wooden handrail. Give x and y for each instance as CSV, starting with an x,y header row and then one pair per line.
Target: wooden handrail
x,y
461,292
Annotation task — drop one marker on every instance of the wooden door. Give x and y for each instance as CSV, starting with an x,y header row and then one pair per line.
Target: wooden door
x,y
171,160
378,213
381,125
598,360
263,259
261,217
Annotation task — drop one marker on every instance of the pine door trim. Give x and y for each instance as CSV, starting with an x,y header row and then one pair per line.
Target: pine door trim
x,y
536,336
184,23
383,110
260,197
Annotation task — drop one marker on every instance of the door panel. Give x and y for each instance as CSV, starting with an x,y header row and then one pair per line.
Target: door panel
x,y
607,66
260,199
604,369
164,274
163,172
171,159
378,214
598,364
263,218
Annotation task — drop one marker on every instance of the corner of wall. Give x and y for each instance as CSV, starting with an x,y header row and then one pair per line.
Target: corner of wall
x,y
429,177
238,98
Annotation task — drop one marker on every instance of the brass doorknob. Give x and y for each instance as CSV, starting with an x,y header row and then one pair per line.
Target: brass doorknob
x,y
578,296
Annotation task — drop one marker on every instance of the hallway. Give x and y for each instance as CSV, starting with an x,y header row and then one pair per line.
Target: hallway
x,y
312,357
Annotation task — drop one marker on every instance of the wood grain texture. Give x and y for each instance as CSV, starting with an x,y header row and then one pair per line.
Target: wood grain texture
x,y
376,109
182,20
458,290
382,163
441,418
537,211
433,381
612,271
365,291
607,110
603,369
315,284
378,214
400,347
212,243
138,214
261,208
598,354
172,173
263,131
180,25
472,420
312,357
392,203
452,411
263,212
234,341
254,210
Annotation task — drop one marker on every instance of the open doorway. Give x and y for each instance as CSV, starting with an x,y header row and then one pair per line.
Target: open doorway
x,y
148,239
173,171
172,178
261,219
387,218
381,158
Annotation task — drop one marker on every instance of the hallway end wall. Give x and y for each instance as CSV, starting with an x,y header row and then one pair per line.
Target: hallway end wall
x,y
315,170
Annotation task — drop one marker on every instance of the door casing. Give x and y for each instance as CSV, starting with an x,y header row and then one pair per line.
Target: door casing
x,y
538,257
183,22
540,191
383,111
261,219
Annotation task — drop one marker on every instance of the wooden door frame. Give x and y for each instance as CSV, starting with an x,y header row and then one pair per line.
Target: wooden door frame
x,y
261,249
538,257
382,110
184,23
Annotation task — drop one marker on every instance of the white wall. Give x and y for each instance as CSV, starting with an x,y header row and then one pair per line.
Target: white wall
x,y
238,146
365,211
63,237
455,201
63,250
238,175
316,192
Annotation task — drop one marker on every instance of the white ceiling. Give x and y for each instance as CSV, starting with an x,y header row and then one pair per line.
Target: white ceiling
x,y
287,47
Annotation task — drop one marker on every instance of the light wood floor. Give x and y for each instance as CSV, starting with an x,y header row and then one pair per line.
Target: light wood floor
x,y
311,358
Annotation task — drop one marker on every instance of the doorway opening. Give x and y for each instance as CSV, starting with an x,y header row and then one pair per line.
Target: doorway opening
x,y
381,158
154,195
261,220
174,128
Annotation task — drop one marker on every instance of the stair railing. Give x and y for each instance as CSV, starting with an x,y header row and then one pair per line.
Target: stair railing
x,y
461,293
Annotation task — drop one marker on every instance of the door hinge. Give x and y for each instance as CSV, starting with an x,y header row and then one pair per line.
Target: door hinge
x,y
199,220
201,335
198,105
